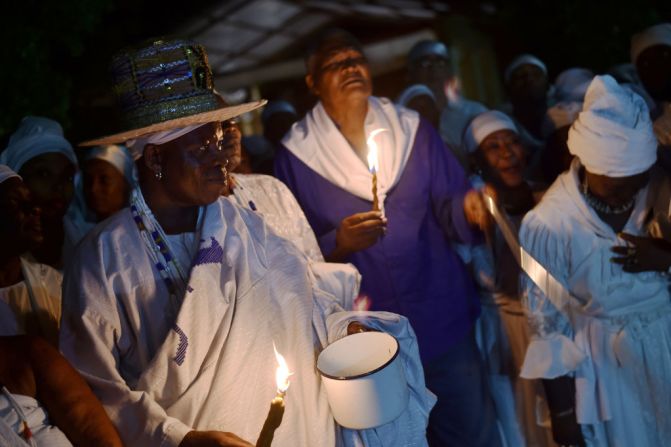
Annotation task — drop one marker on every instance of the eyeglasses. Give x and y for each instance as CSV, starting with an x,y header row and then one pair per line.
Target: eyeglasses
x,y
345,63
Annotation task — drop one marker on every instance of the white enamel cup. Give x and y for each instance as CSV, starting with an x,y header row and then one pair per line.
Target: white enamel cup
x,y
364,379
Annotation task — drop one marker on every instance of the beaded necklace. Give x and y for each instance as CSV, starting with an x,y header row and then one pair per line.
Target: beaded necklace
x,y
172,273
604,208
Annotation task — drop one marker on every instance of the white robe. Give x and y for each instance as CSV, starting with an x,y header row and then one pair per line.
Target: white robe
x,y
44,433
213,368
32,306
613,332
280,211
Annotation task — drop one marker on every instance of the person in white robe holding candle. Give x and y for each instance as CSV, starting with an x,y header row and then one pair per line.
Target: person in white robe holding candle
x,y
601,340
172,305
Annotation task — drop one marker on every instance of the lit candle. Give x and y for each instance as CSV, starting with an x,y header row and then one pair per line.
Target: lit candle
x,y
373,164
276,412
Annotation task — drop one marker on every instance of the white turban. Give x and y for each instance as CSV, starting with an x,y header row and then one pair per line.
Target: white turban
x,y
117,156
484,125
137,145
571,84
36,136
613,134
412,92
524,59
560,115
6,173
655,35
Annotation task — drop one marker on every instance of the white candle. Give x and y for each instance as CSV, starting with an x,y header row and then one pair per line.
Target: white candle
x,y
373,164
276,412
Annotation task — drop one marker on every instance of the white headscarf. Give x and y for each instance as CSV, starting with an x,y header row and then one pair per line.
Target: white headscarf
x,y
36,136
484,125
412,92
561,114
317,142
655,35
524,59
6,173
137,145
571,84
117,156
613,134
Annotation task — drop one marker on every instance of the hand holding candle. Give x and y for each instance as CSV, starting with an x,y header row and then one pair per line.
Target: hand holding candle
x,y
276,412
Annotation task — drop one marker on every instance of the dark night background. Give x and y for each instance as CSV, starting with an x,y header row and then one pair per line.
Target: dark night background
x,y
55,53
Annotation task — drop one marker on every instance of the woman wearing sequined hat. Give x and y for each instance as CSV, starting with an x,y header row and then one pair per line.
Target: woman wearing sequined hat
x,y
600,336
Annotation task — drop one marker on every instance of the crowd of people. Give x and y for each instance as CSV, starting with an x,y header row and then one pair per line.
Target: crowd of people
x,y
520,255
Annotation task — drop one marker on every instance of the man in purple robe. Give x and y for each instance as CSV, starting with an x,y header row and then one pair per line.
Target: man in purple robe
x,y
405,251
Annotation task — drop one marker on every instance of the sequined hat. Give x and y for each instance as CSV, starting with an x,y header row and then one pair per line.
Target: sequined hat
x,y
164,85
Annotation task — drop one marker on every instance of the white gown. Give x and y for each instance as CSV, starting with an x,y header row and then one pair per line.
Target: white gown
x,y
280,211
32,306
613,330
211,366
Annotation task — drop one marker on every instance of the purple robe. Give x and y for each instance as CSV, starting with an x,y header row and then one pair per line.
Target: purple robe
x,y
413,269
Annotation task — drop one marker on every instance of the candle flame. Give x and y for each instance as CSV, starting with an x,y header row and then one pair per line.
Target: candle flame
x,y
362,303
372,151
282,374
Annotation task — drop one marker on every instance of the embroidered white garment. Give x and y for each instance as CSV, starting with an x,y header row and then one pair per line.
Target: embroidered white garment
x,y
280,211
213,367
614,330
318,143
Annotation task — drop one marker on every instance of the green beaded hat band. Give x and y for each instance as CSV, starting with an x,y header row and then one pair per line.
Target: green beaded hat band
x,y
165,85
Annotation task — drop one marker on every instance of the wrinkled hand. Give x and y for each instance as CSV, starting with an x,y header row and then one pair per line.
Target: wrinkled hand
x,y
197,438
643,254
476,211
566,430
358,232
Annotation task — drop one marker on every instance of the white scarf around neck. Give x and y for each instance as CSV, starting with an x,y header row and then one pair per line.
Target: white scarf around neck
x,y
318,143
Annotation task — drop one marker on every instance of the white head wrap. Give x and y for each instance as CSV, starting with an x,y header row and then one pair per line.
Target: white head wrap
x,y
571,84
36,136
613,134
6,173
137,145
524,59
117,156
484,125
412,92
655,35
560,115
